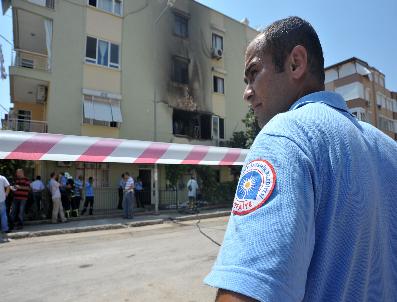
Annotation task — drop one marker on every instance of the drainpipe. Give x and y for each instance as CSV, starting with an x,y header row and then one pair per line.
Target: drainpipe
x,y
156,189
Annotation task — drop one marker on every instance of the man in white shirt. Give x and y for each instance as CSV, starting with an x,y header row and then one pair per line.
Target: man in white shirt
x,y
4,191
192,188
56,199
37,190
128,196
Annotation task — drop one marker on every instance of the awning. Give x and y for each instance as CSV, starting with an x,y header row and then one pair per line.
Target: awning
x,y
102,111
116,112
59,147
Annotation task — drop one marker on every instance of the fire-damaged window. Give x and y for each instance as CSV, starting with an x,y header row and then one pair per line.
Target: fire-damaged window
x,y
180,70
191,124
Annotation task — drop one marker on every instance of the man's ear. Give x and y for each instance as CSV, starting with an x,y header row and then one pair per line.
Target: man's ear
x,y
297,62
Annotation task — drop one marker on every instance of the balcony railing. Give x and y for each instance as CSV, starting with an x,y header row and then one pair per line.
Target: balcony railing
x,y
26,125
31,60
45,3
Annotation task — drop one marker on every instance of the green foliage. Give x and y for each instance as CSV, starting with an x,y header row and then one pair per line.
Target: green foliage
x,y
175,172
244,139
8,167
238,140
252,128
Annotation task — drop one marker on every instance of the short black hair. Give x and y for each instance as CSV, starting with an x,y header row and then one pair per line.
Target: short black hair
x,y
280,37
52,174
38,177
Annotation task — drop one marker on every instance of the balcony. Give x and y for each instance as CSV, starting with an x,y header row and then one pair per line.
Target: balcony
x,y
44,3
26,125
30,60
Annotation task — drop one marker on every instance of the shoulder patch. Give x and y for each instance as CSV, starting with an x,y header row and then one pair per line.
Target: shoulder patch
x,y
254,188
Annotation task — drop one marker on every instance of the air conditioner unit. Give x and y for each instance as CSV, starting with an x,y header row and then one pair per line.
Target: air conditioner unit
x,y
217,53
41,94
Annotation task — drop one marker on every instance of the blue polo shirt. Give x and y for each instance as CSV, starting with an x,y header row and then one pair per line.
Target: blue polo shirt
x,y
89,190
315,212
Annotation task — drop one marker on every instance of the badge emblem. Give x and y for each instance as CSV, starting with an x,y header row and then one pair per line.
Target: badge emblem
x,y
255,186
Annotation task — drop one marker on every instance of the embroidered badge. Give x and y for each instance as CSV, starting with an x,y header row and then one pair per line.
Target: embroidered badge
x,y
254,188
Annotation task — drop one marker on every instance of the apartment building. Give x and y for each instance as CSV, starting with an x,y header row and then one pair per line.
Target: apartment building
x,y
155,70
149,70
363,88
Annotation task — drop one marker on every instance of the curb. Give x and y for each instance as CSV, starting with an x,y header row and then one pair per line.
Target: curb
x,y
22,235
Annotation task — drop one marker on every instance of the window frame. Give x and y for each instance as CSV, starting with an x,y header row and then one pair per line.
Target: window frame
x,y
180,60
214,39
221,128
180,17
113,12
92,121
217,86
93,61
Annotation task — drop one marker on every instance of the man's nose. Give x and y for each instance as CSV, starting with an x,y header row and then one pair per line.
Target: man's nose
x,y
248,93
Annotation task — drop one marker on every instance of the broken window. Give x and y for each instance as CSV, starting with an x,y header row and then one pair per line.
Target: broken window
x,y
181,70
191,124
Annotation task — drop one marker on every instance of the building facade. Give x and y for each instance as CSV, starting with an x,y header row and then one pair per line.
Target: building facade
x,y
149,70
154,70
363,88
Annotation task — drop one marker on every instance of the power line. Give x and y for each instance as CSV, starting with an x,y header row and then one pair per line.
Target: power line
x,y
5,39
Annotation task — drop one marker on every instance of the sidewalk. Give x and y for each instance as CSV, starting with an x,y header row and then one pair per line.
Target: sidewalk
x,y
100,224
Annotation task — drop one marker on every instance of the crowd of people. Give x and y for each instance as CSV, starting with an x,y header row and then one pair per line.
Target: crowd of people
x,y
61,198
20,197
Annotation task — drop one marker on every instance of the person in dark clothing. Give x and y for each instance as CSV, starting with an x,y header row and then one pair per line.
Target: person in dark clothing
x,y
89,196
121,192
21,194
76,197
68,198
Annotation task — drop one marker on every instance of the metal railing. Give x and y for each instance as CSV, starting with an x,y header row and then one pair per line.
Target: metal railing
x,y
27,125
30,60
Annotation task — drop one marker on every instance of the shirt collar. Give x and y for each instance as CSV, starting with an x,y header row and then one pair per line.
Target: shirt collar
x,y
331,99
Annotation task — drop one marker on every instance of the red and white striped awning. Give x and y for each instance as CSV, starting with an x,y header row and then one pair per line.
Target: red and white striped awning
x,y
59,147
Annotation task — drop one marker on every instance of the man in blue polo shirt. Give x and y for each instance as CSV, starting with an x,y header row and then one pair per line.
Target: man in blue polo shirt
x,y
314,216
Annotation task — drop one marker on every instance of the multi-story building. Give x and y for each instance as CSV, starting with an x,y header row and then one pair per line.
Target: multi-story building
x,y
157,70
363,88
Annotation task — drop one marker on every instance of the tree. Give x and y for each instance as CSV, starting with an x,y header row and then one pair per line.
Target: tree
x,y
8,167
252,128
244,139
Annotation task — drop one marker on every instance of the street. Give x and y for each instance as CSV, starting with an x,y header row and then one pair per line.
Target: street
x,y
164,262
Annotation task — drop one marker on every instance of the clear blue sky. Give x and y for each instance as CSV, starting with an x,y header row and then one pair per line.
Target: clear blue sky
x,y
365,29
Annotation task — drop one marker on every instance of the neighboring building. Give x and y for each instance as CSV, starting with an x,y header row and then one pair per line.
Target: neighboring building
x,y
168,71
363,88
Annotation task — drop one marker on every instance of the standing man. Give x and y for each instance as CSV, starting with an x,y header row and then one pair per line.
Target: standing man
x,y
21,194
314,216
4,191
89,196
76,197
57,208
37,187
192,188
128,201
138,192
121,192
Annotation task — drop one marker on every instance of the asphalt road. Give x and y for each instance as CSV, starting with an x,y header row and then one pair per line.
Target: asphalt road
x,y
155,263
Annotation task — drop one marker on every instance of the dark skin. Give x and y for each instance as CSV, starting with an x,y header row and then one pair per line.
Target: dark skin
x,y
269,93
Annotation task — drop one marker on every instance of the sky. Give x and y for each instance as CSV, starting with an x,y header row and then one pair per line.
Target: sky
x,y
366,29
